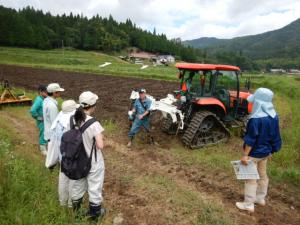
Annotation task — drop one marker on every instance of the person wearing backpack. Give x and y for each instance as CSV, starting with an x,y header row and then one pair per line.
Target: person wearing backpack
x,y
261,140
141,109
36,112
87,169
60,125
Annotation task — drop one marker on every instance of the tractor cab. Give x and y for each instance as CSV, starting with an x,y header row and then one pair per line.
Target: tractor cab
x,y
208,102
215,88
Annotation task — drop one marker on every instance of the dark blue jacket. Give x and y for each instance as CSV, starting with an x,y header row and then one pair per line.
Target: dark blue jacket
x,y
263,136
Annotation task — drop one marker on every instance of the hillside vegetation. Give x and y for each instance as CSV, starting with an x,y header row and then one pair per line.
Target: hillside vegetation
x,y
34,28
82,61
278,48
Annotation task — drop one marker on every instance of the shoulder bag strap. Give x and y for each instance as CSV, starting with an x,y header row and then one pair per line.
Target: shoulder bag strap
x,y
87,124
72,125
143,105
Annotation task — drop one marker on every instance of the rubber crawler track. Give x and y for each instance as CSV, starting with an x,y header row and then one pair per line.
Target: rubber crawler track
x,y
167,125
194,125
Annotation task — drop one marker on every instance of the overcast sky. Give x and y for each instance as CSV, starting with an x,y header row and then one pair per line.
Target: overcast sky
x,y
187,19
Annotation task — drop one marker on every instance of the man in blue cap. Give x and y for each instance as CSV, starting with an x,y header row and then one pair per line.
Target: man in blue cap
x,y
141,109
261,140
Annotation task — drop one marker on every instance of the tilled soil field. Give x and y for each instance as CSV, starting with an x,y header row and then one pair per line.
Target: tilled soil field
x,y
113,91
127,189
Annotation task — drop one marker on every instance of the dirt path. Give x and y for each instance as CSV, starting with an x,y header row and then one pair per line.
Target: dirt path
x,y
132,175
214,186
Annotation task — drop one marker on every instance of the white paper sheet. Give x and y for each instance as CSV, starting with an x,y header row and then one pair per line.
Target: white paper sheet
x,y
105,64
245,172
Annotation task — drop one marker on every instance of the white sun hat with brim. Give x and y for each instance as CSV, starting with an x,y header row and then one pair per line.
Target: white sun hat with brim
x,y
262,103
87,99
54,87
69,106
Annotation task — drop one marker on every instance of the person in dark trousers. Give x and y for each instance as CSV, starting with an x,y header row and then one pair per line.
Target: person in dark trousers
x,y
262,139
36,112
141,109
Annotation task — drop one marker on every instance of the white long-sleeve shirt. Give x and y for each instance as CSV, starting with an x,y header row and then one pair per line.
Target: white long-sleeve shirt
x,y
50,111
60,125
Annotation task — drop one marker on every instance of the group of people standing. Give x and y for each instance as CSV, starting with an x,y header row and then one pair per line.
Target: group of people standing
x,y
52,125
262,139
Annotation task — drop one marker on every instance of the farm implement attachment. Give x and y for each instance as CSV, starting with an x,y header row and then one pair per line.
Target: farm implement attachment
x,y
8,97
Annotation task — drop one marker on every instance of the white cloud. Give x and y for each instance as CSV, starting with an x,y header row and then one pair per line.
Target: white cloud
x,y
187,19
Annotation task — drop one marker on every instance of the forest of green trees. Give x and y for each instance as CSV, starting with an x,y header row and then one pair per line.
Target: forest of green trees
x,y
34,28
37,29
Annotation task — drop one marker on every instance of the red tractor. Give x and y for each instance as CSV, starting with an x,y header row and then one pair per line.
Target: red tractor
x,y
211,100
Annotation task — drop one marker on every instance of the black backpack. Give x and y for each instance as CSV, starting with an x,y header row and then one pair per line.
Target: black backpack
x,y
75,163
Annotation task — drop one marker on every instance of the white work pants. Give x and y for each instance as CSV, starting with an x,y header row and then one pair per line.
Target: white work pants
x,y
64,189
93,183
257,189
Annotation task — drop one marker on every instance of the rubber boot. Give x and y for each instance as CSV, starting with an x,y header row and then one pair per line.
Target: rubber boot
x,y
151,140
129,144
43,149
76,207
250,197
261,192
95,211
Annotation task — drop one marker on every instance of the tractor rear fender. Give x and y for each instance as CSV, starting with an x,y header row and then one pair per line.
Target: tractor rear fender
x,y
212,104
243,97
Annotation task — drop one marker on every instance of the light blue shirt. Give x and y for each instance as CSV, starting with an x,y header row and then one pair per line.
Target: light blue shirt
x,y
139,108
50,111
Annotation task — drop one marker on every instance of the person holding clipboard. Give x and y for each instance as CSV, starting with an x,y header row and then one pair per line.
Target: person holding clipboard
x,y
261,140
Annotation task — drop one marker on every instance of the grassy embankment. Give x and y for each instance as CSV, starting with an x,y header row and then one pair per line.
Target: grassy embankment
x,y
81,61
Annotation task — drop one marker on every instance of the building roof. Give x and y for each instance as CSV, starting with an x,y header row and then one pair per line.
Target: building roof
x,y
142,55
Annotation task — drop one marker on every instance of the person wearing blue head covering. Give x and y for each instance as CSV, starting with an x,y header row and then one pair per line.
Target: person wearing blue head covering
x,y
262,139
